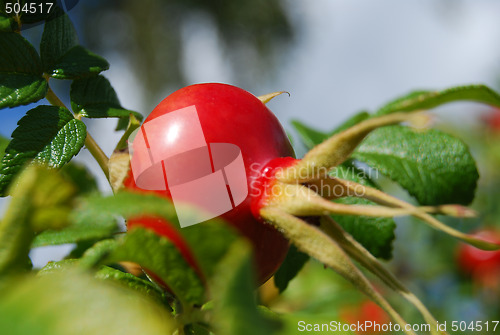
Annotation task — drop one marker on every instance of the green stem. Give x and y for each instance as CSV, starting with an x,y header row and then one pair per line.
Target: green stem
x,y
54,99
133,124
94,149
17,18
99,155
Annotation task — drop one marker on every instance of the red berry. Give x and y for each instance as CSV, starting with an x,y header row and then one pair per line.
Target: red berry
x,y
481,264
164,228
228,114
492,120
263,186
367,312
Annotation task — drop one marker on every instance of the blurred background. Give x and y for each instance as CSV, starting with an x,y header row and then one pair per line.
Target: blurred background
x,y
335,57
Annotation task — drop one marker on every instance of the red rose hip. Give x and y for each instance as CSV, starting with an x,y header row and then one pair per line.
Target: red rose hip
x,y
230,118
483,266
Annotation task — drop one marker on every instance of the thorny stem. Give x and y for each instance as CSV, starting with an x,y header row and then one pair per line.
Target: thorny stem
x,y
94,149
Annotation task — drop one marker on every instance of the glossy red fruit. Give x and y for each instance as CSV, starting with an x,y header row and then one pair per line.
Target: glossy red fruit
x,y
229,114
263,185
492,120
366,313
483,266
166,229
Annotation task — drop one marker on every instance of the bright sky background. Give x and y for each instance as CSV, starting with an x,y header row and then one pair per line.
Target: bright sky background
x,y
350,55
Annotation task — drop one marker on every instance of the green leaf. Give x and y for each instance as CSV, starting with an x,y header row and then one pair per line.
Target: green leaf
x,y
21,80
80,176
126,204
111,275
312,137
352,121
4,142
376,234
81,247
55,267
430,99
209,241
66,144
59,36
122,124
78,62
94,97
309,136
235,310
37,189
436,168
95,217
70,302
97,253
290,267
160,256
16,232
7,24
197,329
80,230
130,281
53,197
47,134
